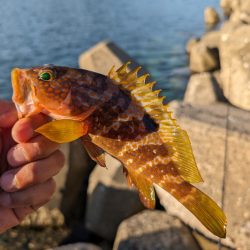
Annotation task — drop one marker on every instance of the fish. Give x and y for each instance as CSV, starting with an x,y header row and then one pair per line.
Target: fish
x,y
124,115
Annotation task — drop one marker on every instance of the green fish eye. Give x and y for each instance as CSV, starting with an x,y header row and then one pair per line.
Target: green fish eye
x,y
46,76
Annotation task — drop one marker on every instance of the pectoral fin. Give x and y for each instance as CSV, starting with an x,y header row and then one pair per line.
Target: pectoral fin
x,y
96,153
62,131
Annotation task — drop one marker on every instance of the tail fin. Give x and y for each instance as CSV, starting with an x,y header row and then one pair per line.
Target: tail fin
x,y
201,205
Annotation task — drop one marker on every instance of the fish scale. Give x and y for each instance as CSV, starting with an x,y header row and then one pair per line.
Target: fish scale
x,y
124,116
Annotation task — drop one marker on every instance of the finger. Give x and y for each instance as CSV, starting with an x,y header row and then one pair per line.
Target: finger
x,y
22,212
13,217
24,129
32,196
8,219
8,114
32,173
36,149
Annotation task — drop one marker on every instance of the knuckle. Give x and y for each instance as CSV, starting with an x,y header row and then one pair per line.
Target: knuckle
x,y
60,158
42,147
21,213
18,182
11,200
52,187
38,148
34,172
30,151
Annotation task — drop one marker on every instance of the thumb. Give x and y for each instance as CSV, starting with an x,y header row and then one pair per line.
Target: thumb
x,y
8,114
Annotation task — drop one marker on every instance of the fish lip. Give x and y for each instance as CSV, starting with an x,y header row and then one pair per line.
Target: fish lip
x,y
20,93
19,112
17,91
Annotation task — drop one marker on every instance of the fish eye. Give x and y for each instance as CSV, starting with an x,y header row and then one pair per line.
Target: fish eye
x,y
46,76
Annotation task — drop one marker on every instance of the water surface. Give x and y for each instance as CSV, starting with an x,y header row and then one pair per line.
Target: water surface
x,y
35,32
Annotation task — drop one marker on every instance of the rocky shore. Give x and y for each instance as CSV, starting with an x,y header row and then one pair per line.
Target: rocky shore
x,y
224,54
94,208
220,136
215,112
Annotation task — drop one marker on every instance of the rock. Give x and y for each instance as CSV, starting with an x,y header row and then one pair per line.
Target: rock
x,y
211,17
238,10
245,6
103,56
110,200
78,246
204,54
235,64
240,17
227,29
206,244
191,43
20,238
212,39
75,188
60,179
206,127
202,89
217,77
203,59
235,17
44,217
228,6
241,11
153,230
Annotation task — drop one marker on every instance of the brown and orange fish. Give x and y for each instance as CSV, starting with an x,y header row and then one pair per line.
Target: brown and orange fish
x,y
121,115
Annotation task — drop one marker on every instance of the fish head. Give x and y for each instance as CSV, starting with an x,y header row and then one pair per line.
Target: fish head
x,y
51,90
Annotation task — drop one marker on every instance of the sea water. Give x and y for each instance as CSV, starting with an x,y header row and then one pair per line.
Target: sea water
x,y
153,32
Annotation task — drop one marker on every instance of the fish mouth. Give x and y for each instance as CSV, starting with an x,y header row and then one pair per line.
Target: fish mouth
x,y
22,94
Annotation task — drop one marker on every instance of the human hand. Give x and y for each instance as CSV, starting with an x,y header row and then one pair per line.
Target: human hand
x,y
28,182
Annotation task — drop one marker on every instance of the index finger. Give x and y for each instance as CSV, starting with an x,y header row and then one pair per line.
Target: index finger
x,y
8,114
24,129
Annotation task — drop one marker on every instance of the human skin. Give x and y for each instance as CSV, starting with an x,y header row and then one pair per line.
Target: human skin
x,y
33,160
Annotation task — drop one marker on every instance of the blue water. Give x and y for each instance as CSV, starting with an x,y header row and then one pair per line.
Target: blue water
x,y
154,32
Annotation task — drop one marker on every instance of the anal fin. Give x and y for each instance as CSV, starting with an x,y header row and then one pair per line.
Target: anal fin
x,y
145,188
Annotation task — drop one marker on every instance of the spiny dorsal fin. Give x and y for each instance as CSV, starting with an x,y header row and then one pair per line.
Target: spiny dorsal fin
x,y
175,139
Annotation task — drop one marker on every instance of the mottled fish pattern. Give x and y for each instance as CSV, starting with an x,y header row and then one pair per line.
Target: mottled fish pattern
x,y
122,115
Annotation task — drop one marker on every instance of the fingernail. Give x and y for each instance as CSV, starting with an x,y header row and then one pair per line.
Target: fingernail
x,y
18,155
8,182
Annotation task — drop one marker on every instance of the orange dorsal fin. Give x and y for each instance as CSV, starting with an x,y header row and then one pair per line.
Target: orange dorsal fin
x,y
176,140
